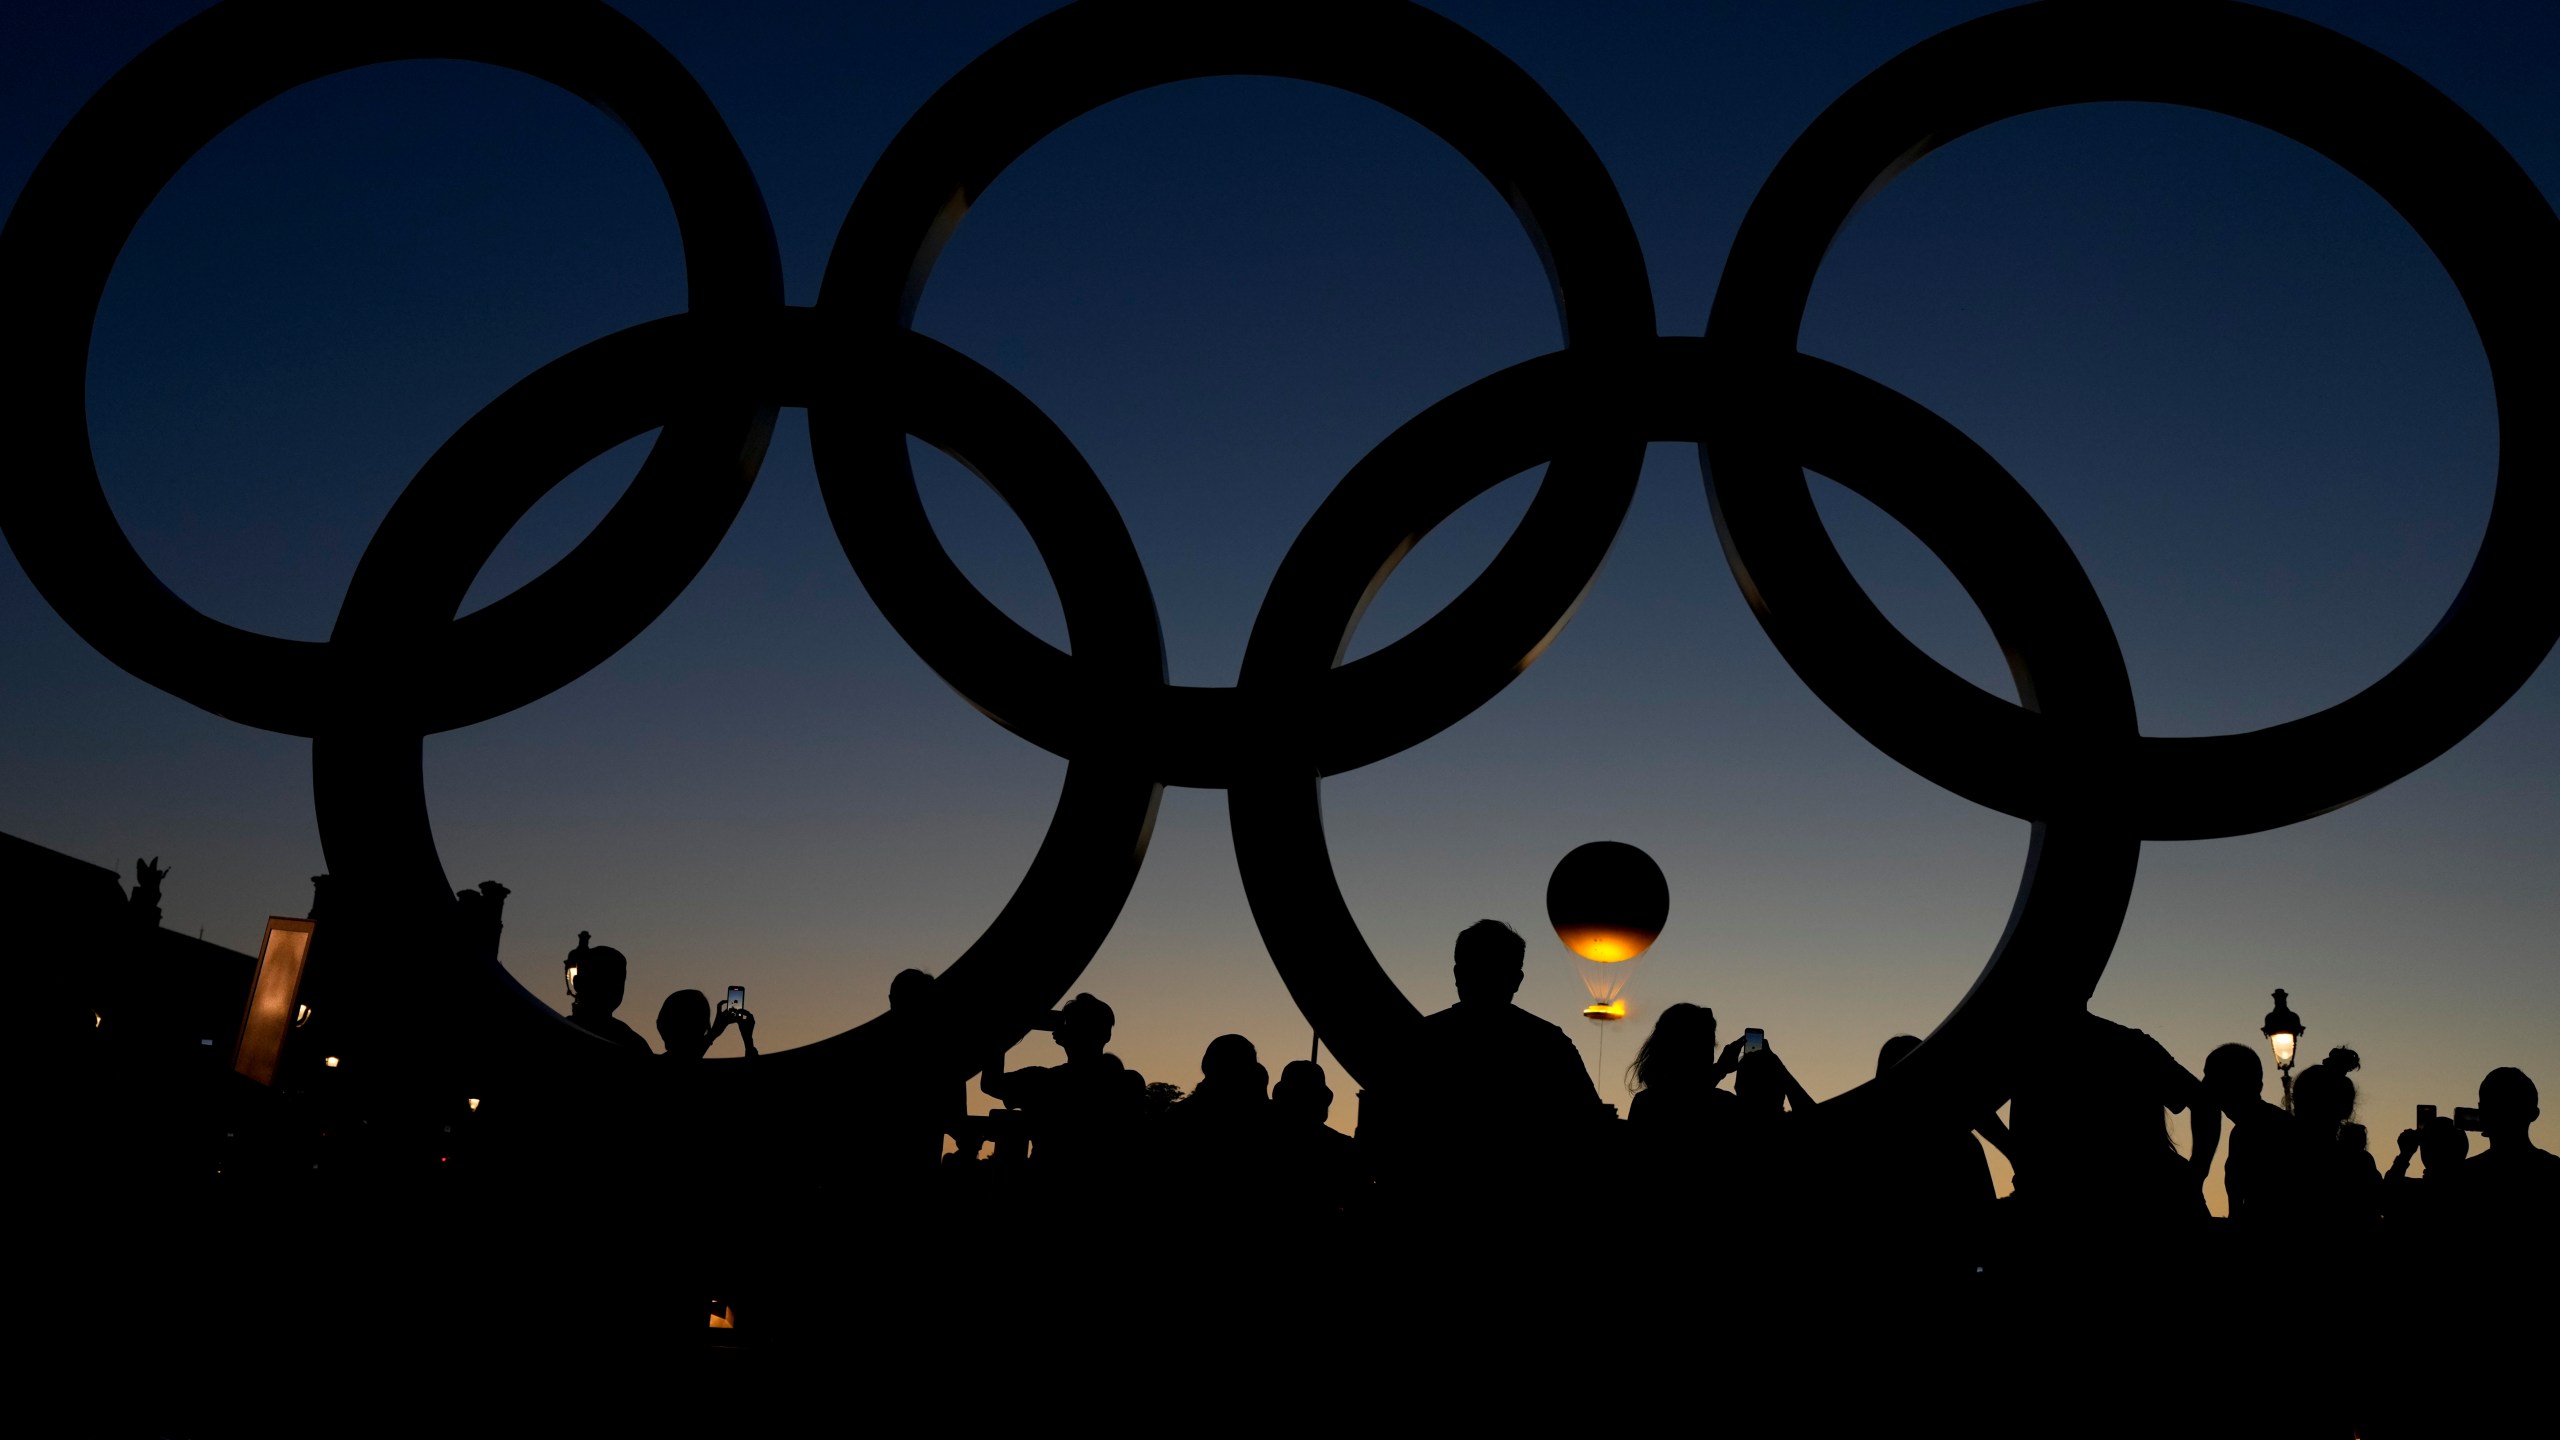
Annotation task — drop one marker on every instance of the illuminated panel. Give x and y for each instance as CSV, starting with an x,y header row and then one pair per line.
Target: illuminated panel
x,y
271,999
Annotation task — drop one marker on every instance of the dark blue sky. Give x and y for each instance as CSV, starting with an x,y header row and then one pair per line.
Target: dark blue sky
x,y
2235,379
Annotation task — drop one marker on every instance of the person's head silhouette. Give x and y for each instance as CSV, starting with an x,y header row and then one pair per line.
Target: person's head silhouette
x,y
911,991
1893,1051
684,1024
1083,1027
1302,1094
1227,1059
2509,1104
2323,1096
1489,963
600,975
2233,1076
1682,1048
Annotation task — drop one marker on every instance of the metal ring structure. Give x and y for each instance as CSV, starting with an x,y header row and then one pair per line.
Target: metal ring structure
x,y
2068,756
2467,199
369,785
1915,467
1065,64
91,188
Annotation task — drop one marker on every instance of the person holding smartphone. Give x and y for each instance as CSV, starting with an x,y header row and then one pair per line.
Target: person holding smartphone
x,y
687,1024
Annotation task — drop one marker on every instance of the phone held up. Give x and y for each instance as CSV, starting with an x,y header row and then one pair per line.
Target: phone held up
x,y
737,1000
1753,1042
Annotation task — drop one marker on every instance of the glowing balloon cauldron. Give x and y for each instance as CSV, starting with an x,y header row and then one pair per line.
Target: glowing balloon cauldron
x,y
1608,902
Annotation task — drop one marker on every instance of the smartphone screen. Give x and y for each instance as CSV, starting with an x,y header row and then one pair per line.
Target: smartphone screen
x,y
2426,1116
1753,1040
737,997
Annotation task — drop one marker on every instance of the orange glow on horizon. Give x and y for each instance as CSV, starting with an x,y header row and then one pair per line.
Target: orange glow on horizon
x,y
1605,944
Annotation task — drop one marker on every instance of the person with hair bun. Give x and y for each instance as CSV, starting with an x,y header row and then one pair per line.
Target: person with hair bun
x,y
2340,1183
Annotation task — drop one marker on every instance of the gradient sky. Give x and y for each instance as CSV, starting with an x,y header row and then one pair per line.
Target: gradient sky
x,y
2236,380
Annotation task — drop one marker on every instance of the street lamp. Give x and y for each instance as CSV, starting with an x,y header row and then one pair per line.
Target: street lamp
x,y
2283,1031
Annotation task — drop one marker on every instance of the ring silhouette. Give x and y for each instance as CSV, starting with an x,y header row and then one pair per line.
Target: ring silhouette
x,y
402,662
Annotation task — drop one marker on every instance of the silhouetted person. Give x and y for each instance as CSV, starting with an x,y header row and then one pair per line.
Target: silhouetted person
x,y
1676,1077
1491,1066
1080,1114
2262,1169
1220,1143
597,977
2092,1145
2341,1187
2429,1204
1681,1125
2511,1192
687,1025
913,1098
1318,1171
1495,1110
1927,1196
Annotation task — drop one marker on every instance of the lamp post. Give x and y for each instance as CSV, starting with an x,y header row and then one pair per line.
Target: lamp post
x,y
2283,1031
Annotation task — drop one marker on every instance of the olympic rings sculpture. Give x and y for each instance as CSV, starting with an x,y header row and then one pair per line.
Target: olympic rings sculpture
x,y
2068,757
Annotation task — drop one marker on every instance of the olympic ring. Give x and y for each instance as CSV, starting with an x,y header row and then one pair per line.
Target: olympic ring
x,y
1990,533
124,146
2068,757
2465,196
1070,62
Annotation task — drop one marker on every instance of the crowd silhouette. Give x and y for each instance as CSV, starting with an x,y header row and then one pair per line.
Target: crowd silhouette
x,y
701,1210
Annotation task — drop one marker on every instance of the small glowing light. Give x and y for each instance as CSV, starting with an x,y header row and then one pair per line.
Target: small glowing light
x,y
331,1062
722,1319
474,1104
2283,1044
97,1020
1614,1010
301,1016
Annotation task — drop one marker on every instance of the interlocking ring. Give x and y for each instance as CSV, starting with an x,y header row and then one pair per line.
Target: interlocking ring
x,y
1084,56
2068,757
126,144
2464,195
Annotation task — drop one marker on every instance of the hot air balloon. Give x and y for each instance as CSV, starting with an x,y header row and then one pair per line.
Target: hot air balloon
x,y
1608,902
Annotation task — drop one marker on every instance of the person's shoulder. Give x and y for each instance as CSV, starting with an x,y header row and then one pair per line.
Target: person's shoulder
x,y
1533,1024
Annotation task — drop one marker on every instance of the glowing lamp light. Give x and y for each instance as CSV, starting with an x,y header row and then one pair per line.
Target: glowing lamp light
x,y
723,1318
474,1104
301,1016
2283,1030
1608,902
331,1062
